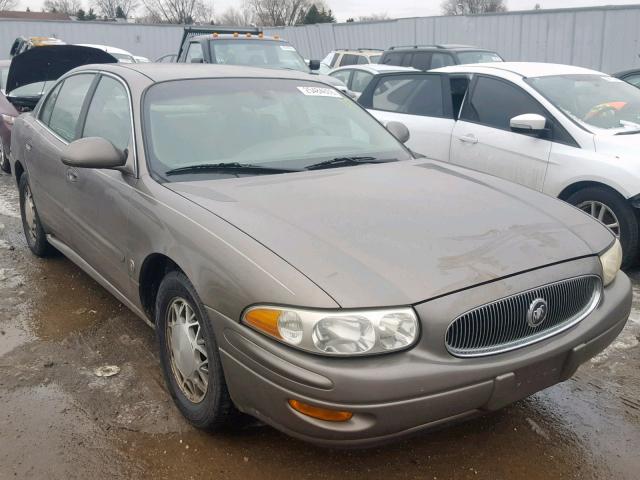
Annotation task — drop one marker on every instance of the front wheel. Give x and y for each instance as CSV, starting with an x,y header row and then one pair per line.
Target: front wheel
x,y
615,213
189,355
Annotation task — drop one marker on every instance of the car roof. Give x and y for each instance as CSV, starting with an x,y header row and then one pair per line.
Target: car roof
x,y
106,48
376,68
159,72
224,36
523,69
361,51
441,46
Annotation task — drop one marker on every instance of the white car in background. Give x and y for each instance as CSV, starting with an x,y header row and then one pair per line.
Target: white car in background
x,y
569,132
358,77
123,56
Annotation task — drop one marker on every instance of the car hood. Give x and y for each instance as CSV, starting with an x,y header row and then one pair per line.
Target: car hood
x,y
621,146
400,233
51,62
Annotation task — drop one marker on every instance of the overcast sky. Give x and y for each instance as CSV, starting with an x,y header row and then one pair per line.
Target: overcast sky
x,y
344,9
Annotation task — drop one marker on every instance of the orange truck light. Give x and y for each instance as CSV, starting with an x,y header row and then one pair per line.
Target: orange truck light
x,y
320,413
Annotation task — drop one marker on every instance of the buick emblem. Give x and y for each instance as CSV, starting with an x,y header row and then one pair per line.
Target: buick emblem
x,y
537,312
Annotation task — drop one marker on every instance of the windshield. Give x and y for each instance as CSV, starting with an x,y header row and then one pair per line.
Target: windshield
x,y
592,100
478,57
257,53
31,90
275,123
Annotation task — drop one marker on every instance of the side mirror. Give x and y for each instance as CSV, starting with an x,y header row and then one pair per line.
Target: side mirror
x,y
93,152
399,130
530,123
314,65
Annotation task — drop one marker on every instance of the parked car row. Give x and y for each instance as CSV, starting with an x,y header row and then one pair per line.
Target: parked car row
x,y
302,265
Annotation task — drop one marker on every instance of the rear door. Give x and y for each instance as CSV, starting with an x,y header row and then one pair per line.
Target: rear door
x,y
422,101
483,140
55,128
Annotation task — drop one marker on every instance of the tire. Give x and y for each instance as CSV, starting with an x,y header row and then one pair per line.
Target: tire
x,y
31,224
215,409
4,161
624,214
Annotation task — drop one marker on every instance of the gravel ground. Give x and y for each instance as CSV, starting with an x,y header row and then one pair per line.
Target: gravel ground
x,y
60,421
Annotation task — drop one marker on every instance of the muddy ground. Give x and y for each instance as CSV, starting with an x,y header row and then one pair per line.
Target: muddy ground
x,y
59,421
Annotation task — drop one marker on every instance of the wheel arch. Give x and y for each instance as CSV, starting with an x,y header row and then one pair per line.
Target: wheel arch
x,y
581,185
153,269
18,171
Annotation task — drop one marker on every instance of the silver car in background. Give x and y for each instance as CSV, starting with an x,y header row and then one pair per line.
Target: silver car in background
x,y
298,264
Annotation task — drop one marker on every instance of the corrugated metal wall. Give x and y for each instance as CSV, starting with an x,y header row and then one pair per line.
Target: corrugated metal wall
x,y
606,38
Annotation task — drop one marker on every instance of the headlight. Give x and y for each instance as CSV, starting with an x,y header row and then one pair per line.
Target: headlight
x,y
338,332
8,119
611,260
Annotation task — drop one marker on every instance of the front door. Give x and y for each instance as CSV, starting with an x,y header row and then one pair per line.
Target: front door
x,y
483,140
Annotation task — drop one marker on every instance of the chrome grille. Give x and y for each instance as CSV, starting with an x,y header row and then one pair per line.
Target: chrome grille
x,y
502,325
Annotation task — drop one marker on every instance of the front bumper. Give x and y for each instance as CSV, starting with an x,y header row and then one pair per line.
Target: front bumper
x,y
398,394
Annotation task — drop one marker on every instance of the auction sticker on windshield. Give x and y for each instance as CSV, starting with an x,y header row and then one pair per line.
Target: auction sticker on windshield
x,y
319,92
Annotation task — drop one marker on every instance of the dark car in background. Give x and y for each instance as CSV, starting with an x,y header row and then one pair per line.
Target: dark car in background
x,y
629,76
29,76
426,57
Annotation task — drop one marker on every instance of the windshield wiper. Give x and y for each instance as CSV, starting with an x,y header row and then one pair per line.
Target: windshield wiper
x,y
347,161
229,167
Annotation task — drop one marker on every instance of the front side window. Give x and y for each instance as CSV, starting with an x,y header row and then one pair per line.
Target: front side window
x,y
495,102
276,123
360,80
596,101
421,60
66,111
257,53
410,94
109,116
393,58
439,60
194,52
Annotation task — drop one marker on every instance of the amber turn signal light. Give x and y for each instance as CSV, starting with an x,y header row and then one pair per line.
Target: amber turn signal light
x,y
320,413
265,320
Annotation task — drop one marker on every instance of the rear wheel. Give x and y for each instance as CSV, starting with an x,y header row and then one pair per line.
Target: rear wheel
x,y
613,211
33,229
4,160
189,355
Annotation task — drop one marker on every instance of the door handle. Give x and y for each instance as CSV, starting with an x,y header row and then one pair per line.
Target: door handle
x,y
27,146
469,138
72,175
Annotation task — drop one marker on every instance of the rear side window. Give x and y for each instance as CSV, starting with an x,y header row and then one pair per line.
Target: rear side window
x,y
47,108
342,75
66,111
360,80
194,52
410,94
495,102
348,59
393,58
108,115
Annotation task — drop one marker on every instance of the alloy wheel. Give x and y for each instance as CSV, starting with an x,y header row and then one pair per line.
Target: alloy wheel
x,y
603,213
187,350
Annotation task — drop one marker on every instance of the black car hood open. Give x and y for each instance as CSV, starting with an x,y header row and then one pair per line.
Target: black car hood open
x,y
50,63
